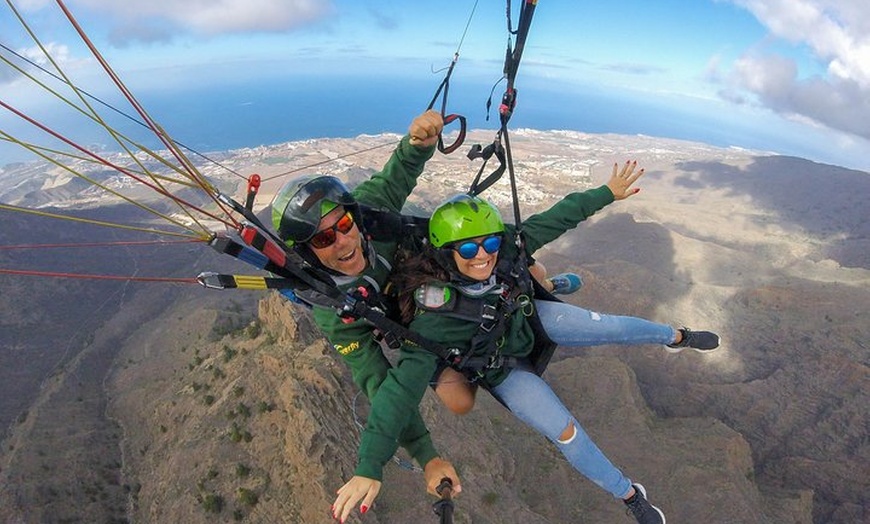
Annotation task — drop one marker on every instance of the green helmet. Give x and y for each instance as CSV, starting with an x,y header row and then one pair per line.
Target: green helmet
x,y
463,216
301,203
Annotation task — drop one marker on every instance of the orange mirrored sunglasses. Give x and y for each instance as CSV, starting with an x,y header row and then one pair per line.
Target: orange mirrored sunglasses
x,y
326,237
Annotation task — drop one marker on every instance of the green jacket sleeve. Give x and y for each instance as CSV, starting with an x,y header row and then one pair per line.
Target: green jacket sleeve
x,y
389,188
369,368
396,402
544,227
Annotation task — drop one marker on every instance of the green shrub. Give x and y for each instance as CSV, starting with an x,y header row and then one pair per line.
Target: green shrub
x,y
213,503
248,497
235,433
254,329
238,434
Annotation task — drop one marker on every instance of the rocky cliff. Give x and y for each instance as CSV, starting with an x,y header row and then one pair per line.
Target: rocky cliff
x,y
259,424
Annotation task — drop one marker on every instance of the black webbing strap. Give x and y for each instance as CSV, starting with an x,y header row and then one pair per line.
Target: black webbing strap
x,y
407,230
513,57
442,90
476,151
259,237
229,246
223,281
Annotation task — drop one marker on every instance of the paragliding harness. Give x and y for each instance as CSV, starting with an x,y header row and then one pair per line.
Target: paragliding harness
x,y
484,351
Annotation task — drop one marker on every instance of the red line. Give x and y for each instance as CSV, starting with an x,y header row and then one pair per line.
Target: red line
x,y
150,123
123,88
97,277
102,244
101,160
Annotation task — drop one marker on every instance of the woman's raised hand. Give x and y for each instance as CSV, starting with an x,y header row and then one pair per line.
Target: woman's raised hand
x,y
622,179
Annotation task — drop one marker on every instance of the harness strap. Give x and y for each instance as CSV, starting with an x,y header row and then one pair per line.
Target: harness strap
x,y
476,151
229,246
213,280
408,230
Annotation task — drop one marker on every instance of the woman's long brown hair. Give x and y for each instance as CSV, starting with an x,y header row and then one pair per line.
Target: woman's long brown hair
x,y
412,270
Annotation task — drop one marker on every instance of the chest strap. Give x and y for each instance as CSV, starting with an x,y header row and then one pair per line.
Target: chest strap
x,y
484,349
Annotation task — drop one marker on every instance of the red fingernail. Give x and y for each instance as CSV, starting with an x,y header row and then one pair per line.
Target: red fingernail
x,y
637,190
363,509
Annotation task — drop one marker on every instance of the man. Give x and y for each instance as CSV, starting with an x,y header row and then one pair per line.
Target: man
x,y
321,219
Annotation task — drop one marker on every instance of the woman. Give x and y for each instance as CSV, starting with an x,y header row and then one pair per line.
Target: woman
x,y
470,264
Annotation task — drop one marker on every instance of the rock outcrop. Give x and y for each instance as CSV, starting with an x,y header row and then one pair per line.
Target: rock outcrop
x,y
268,413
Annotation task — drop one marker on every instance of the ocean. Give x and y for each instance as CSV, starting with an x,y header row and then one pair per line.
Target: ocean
x,y
252,113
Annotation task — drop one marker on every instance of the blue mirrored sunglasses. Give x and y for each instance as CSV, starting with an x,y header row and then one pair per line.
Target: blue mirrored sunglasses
x,y
468,249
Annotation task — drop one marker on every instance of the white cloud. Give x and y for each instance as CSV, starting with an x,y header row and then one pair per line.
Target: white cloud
x,y
840,104
32,58
58,52
160,19
837,32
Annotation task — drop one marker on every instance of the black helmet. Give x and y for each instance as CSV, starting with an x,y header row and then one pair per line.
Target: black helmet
x,y
301,203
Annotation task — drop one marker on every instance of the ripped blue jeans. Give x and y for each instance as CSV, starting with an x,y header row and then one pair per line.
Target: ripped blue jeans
x,y
531,400
569,325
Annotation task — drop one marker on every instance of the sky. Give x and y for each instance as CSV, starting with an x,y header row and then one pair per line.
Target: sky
x,y
786,76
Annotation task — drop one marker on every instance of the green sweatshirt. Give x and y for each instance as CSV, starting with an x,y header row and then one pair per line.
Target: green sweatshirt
x,y
400,394
386,190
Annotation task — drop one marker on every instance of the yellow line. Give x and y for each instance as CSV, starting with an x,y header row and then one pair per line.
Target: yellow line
x,y
250,282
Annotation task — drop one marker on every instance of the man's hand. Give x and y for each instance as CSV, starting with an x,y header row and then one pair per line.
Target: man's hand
x,y
435,470
358,488
424,130
621,180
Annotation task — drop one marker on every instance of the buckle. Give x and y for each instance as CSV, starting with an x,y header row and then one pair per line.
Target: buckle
x,y
489,314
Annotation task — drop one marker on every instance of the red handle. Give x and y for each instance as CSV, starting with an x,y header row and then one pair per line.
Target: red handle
x,y
449,119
